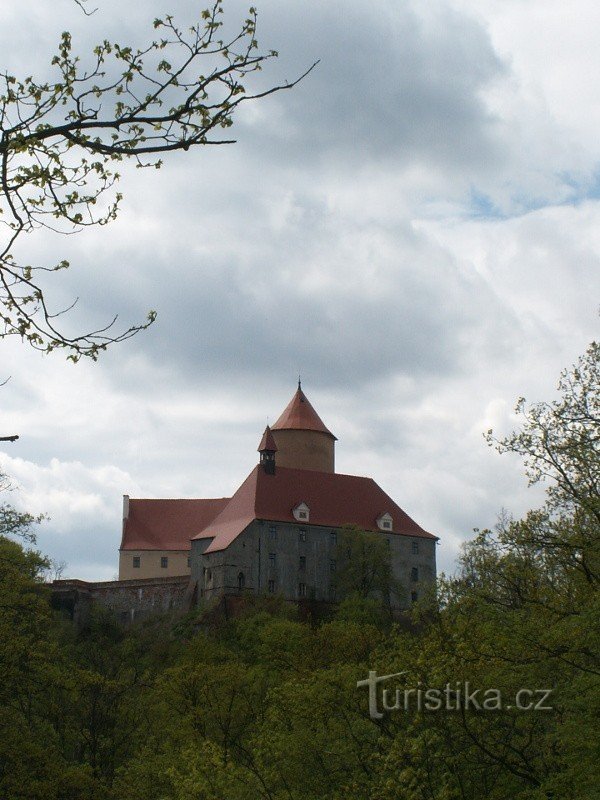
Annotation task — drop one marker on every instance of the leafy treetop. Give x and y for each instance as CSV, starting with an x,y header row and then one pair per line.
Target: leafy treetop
x,y
559,440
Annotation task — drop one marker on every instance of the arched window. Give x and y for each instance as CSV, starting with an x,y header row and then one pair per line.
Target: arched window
x,y
241,581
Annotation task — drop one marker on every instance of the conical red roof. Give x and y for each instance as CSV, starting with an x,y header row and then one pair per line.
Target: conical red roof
x,y
300,415
267,442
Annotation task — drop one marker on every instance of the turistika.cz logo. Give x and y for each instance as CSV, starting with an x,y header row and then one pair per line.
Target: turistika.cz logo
x,y
455,696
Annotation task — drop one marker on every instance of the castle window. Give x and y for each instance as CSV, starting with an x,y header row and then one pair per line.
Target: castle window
x,y
164,562
385,522
302,535
273,559
271,586
332,565
332,593
241,581
301,590
301,512
136,562
272,531
333,537
415,548
189,561
414,574
414,597
302,565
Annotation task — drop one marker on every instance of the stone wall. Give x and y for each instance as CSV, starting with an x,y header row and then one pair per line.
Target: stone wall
x,y
129,600
280,557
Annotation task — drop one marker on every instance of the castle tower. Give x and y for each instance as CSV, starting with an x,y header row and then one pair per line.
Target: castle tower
x,y
302,439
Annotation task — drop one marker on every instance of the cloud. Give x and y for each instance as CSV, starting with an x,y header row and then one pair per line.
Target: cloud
x,y
405,228
395,84
83,525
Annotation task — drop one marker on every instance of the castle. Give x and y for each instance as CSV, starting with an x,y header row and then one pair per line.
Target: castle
x,y
279,531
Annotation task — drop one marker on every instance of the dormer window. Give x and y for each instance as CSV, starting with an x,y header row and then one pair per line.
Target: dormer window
x,y
385,522
301,512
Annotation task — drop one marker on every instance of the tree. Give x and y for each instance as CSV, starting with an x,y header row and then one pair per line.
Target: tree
x,y
523,613
525,608
62,139
560,441
560,444
364,567
16,523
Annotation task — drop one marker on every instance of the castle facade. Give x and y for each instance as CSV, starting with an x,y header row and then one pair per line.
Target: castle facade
x,y
279,532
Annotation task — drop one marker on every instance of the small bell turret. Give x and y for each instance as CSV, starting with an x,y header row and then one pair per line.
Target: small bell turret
x,y
267,449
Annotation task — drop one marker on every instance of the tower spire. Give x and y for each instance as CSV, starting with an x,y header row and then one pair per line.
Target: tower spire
x,y
303,441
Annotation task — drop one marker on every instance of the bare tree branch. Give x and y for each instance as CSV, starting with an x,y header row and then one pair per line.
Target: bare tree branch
x,y
61,140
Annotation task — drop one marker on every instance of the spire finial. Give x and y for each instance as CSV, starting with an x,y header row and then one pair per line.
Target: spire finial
x,y
299,384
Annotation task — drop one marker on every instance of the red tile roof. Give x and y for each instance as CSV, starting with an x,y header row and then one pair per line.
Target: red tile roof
x,y
167,524
300,415
267,442
334,500
237,514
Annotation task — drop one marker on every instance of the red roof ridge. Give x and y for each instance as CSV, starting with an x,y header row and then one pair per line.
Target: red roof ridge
x,y
175,499
334,500
324,472
240,509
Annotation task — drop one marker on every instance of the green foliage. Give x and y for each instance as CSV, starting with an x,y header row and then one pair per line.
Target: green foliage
x,y
355,608
364,566
15,523
559,440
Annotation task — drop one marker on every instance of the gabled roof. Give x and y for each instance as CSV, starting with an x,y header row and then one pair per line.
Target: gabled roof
x,y
334,500
267,442
300,415
167,524
237,514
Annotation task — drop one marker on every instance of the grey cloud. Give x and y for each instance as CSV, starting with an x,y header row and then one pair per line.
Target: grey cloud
x,y
400,305
89,550
394,83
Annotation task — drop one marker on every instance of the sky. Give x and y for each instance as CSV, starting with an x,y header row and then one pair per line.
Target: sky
x,y
414,228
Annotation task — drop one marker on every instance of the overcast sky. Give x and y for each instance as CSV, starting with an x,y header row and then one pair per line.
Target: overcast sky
x,y
415,228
